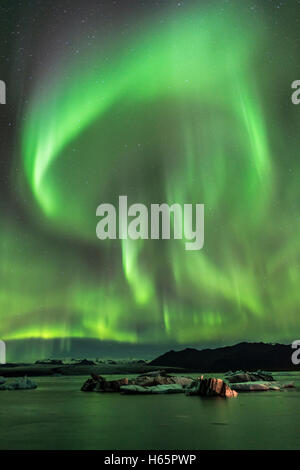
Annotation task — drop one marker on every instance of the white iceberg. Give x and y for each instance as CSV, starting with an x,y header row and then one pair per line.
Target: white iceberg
x,y
22,383
260,386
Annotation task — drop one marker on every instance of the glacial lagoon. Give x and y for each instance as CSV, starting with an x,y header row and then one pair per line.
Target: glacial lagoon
x,y
57,415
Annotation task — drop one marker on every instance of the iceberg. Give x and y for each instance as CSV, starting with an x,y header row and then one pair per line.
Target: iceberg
x,y
22,383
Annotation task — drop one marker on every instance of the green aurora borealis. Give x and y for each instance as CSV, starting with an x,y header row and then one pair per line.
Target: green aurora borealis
x,y
186,111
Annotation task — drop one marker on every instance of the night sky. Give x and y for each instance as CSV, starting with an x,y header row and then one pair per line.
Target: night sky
x,y
165,101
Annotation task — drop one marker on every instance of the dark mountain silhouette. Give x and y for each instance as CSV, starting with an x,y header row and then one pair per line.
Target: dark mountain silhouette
x,y
242,356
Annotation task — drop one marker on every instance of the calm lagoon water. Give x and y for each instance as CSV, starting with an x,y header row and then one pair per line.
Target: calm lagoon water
x,y
59,416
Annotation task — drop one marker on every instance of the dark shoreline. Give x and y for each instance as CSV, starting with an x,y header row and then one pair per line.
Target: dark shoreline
x,y
44,370
50,370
